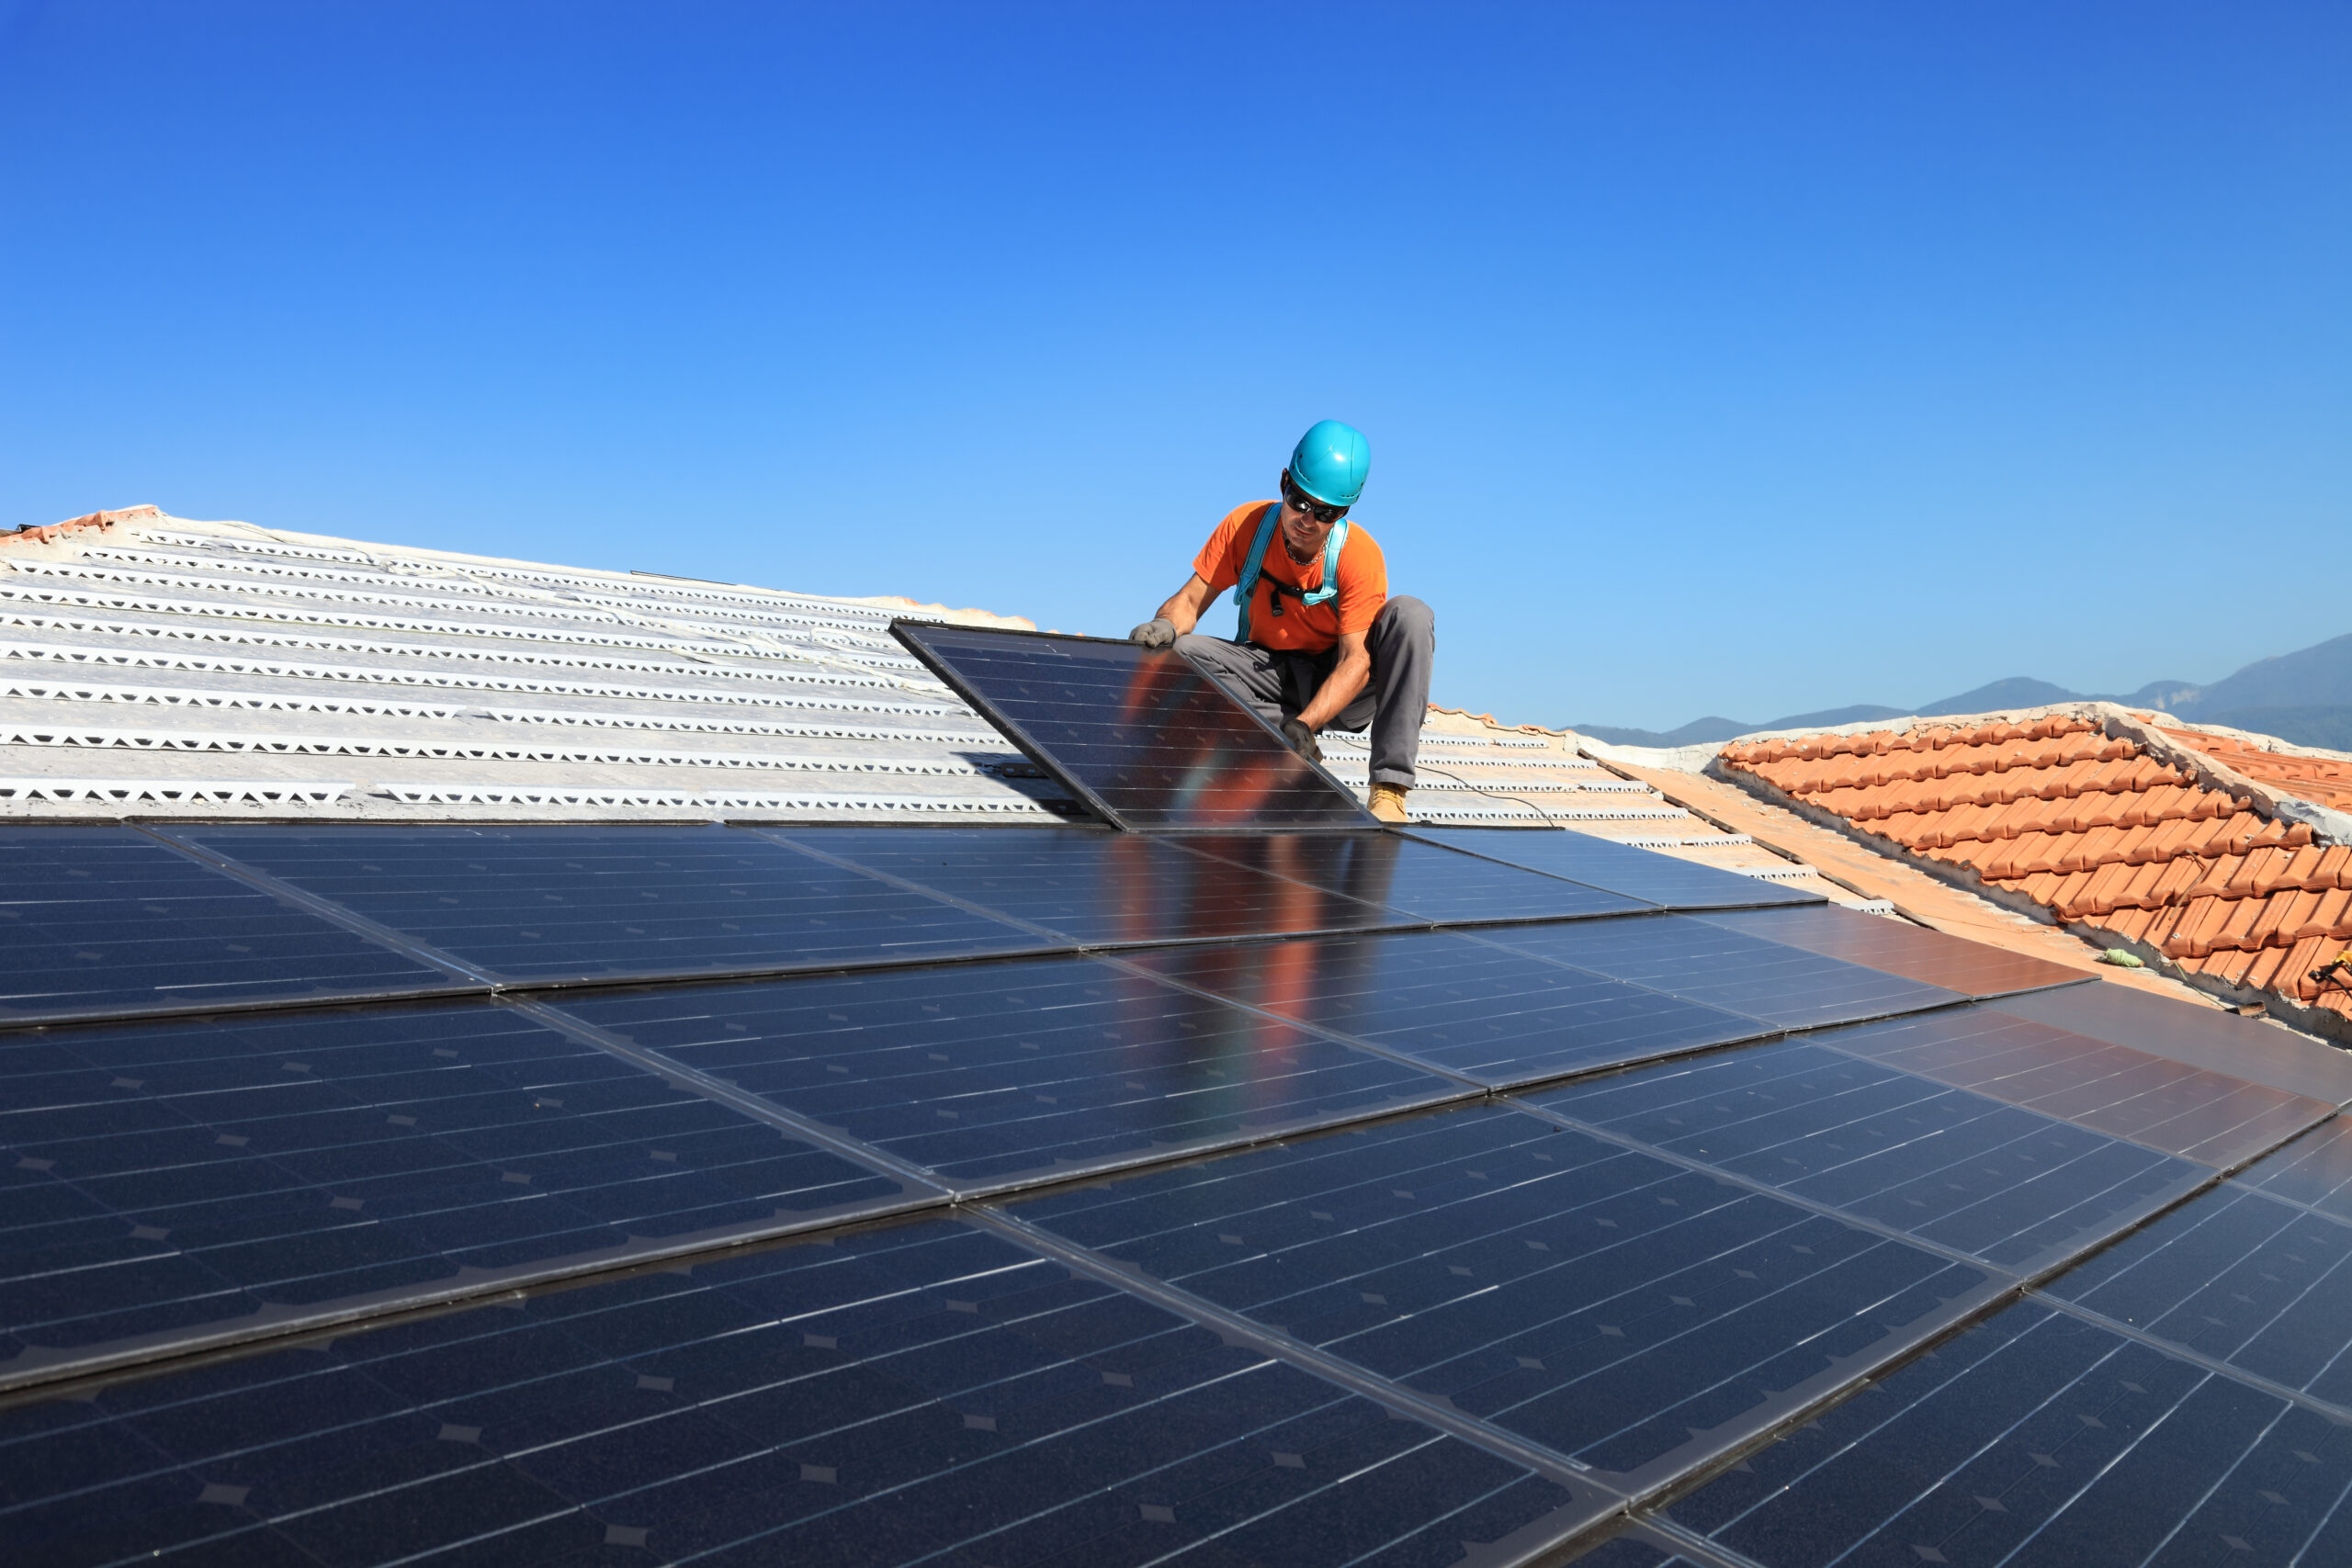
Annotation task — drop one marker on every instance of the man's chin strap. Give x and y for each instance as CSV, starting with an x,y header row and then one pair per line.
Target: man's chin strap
x,y
1255,565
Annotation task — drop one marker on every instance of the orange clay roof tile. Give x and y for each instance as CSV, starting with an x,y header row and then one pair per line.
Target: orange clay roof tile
x,y
2091,827
2280,913
2330,920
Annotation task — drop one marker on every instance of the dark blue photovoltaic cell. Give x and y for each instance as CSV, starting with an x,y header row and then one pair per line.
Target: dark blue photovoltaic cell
x,y
922,1394
1967,1172
1639,873
2038,1441
102,921
1619,1309
1493,1016
2240,1277
1727,969
1099,889
1137,732
174,1179
985,1072
1437,885
542,903
1971,968
2209,1117
2315,1170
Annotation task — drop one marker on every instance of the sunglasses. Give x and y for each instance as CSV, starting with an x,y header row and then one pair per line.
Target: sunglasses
x,y
1316,511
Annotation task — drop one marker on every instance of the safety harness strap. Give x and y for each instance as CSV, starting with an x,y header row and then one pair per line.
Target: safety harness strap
x,y
1254,567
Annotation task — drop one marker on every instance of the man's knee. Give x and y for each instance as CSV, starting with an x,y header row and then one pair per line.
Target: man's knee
x,y
1407,617
1214,649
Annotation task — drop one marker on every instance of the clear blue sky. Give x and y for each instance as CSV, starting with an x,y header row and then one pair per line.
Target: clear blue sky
x,y
1716,357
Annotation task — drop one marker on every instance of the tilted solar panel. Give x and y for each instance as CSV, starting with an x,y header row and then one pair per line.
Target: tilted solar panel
x,y
1098,889
1495,1016
1139,734
1435,884
176,1182
985,1074
924,1393
1653,878
606,901
99,922
1617,1308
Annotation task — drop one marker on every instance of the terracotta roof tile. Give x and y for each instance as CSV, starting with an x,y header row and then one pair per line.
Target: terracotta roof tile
x,y
2330,920
2093,828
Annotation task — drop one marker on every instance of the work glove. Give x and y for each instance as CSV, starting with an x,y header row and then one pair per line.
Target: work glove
x,y
1302,741
1154,632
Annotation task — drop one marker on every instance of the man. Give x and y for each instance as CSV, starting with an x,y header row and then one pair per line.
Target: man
x,y
1319,644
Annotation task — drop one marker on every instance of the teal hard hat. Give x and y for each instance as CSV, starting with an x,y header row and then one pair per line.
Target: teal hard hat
x,y
1330,461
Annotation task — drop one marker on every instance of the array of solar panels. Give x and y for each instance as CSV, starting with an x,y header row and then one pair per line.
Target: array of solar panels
x,y
1024,1195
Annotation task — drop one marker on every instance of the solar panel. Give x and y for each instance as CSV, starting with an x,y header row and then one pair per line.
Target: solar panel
x,y
601,901
1734,970
2216,1119
1971,968
105,921
1961,1170
1493,1016
2038,1438
1097,888
1139,734
1655,878
989,1073
2237,1275
2315,1171
1435,884
170,1181
2196,1035
925,1392
1616,1308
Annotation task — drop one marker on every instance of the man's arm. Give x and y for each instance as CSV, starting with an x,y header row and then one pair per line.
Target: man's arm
x,y
1338,688
1178,615
1183,611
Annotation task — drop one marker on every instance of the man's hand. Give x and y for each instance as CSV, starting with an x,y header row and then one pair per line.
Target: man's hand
x,y
1302,741
1157,632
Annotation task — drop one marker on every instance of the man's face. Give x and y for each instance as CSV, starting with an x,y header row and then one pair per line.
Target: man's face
x,y
1303,534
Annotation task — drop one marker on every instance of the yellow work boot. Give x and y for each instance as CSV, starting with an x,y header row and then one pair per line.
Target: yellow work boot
x,y
1387,803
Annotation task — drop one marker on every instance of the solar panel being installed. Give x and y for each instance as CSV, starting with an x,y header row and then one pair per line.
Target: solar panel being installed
x,y
1139,734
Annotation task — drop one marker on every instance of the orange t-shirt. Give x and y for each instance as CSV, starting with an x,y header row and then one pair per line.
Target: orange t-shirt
x,y
1300,628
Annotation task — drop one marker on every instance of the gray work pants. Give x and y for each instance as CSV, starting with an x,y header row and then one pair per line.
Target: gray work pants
x,y
1403,641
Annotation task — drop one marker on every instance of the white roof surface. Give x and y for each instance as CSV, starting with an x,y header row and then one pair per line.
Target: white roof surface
x,y
155,667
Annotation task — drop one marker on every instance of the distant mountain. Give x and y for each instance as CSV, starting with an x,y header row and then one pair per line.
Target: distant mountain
x,y
2303,697
2016,692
